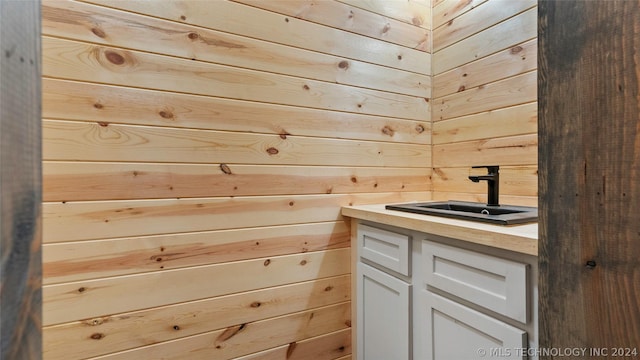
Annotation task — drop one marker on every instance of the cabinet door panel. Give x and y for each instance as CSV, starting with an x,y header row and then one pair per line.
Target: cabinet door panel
x,y
383,316
455,331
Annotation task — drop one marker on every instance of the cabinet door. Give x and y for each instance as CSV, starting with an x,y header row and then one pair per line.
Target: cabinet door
x,y
454,331
383,316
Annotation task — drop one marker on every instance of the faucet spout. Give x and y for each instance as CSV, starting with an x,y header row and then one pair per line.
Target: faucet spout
x,y
493,183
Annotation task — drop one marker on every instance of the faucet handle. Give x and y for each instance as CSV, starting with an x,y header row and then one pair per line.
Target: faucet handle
x,y
492,169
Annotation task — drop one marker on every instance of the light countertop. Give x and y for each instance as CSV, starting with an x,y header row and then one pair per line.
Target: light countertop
x,y
518,238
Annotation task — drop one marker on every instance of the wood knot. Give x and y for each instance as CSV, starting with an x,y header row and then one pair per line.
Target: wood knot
x,y
328,288
291,203
303,262
272,151
305,86
225,169
386,28
82,289
516,49
450,22
267,262
256,304
114,57
354,179
165,114
98,32
97,336
399,57
465,75
193,36
98,106
461,88
183,18
416,21
103,123
387,130
419,129
286,19
344,64
176,327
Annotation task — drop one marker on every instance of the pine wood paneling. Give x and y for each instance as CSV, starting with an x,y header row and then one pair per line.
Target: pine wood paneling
x,y
96,220
81,141
514,180
87,62
89,298
485,92
510,62
106,26
259,24
243,339
446,10
503,93
514,150
197,154
515,120
318,348
482,17
72,100
124,331
416,12
350,18
71,181
506,34
75,261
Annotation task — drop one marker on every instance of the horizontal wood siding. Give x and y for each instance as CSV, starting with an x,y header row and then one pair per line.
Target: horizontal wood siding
x,y
196,156
485,98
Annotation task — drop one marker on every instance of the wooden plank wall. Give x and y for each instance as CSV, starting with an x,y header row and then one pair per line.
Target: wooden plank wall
x,y
484,97
197,154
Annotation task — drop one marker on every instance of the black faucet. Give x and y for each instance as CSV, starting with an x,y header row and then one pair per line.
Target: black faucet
x,y
493,183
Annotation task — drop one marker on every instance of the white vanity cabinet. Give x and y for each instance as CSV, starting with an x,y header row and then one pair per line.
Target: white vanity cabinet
x,y
383,295
474,305
426,297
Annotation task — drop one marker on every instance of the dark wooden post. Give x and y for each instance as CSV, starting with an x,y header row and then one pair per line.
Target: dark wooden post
x,y
20,181
589,164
